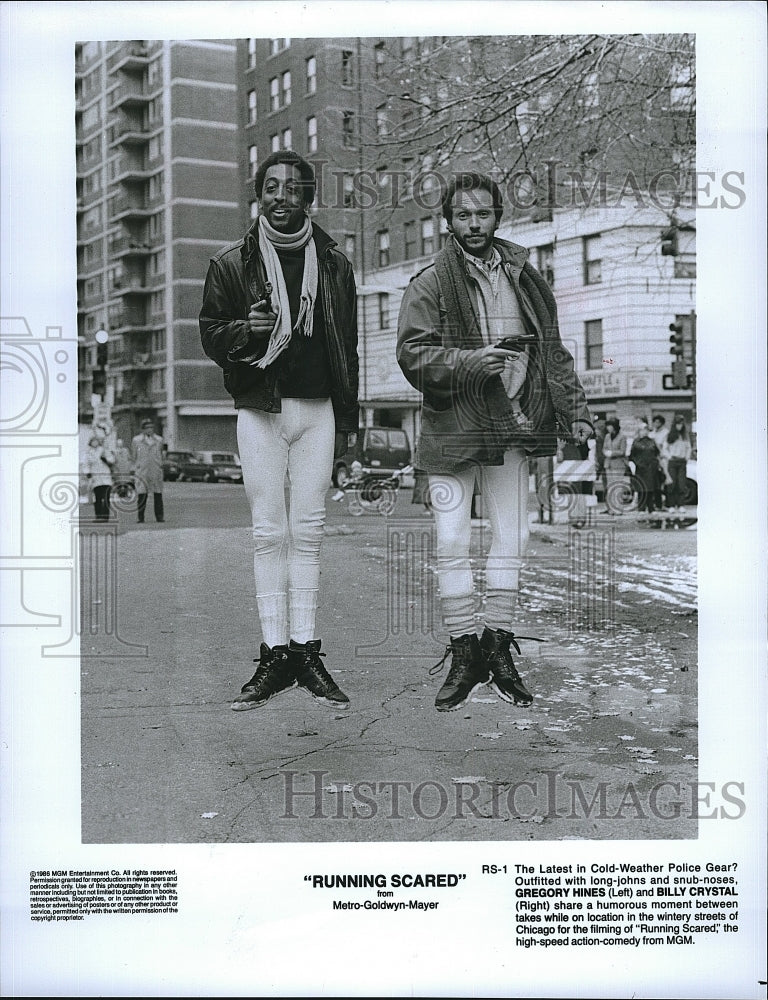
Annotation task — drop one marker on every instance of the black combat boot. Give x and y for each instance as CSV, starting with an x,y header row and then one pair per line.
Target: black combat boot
x,y
272,677
307,667
468,672
505,680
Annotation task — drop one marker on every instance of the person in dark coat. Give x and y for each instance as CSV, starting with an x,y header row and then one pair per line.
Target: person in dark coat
x,y
279,316
486,409
645,455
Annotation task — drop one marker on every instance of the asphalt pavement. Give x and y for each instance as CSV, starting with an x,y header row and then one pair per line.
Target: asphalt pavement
x,y
613,717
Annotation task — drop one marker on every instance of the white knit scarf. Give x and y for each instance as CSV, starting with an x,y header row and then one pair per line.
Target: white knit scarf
x,y
269,238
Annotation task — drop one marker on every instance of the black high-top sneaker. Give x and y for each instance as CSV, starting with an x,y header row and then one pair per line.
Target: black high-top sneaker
x,y
307,667
468,672
505,680
273,676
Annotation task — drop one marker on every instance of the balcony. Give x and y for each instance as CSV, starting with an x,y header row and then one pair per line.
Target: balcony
x,y
129,321
131,285
129,246
130,56
132,360
127,132
128,94
127,207
130,170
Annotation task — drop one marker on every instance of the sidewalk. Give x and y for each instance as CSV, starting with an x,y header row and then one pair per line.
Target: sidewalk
x,y
166,760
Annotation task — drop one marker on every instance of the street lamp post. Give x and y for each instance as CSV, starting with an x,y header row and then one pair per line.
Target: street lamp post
x,y
102,395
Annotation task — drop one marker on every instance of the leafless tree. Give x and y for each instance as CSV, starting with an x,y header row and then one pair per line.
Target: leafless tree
x,y
543,111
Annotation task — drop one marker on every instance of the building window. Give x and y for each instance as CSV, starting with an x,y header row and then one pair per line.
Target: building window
x,y
593,337
91,117
427,236
382,243
154,149
251,53
286,86
348,129
155,186
381,120
409,231
378,60
545,259
155,226
157,263
286,138
592,261
443,231
251,107
274,94
157,303
311,75
383,310
274,143
347,68
278,45
253,159
348,191
312,134
350,245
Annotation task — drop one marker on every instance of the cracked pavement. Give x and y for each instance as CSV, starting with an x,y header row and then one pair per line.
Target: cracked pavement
x,y
614,715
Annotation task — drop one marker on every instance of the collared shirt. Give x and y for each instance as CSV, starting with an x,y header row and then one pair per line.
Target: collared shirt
x,y
500,314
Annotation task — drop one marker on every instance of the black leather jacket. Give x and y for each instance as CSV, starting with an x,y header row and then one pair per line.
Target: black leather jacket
x,y
235,280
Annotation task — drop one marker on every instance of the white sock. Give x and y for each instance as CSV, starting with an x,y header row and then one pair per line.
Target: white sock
x,y
273,615
303,610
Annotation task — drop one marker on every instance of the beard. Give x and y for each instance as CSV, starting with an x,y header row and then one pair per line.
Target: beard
x,y
477,246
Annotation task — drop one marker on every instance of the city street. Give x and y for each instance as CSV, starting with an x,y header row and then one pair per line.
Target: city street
x,y
613,717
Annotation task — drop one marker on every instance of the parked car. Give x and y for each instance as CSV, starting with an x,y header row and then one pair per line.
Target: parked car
x,y
226,465
173,463
381,451
196,470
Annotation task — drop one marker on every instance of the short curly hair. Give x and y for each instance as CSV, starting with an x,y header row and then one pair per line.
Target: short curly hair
x,y
470,181
306,172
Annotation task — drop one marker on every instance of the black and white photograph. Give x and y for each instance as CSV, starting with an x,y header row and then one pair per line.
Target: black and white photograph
x,y
384,465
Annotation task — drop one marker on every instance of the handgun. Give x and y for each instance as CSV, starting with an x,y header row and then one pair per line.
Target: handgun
x,y
517,343
266,300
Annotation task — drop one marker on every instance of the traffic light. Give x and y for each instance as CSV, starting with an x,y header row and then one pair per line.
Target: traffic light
x,y
99,386
101,348
669,242
676,340
677,350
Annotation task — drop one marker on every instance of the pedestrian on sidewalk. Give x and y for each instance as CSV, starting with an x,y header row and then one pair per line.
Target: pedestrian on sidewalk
x,y
98,468
122,471
485,410
677,452
616,467
646,456
147,452
659,433
279,316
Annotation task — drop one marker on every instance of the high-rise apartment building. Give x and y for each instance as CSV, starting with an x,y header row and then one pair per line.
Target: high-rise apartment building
x,y
157,194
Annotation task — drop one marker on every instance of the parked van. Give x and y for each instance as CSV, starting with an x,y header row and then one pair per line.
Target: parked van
x,y
381,451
